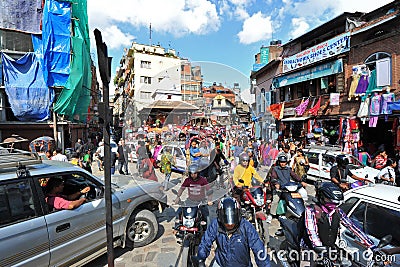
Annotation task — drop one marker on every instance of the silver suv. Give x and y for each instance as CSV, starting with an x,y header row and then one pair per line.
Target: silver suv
x,y
32,234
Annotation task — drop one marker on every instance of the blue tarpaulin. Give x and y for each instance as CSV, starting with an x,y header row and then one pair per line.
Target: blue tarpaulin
x,y
28,94
21,15
54,46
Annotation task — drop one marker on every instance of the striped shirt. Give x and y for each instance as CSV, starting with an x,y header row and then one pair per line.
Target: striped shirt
x,y
312,227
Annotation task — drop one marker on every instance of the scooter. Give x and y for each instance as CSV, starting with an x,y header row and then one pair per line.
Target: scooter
x,y
293,201
257,203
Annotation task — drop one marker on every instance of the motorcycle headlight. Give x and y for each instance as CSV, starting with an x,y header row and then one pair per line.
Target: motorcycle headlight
x,y
188,222
259,201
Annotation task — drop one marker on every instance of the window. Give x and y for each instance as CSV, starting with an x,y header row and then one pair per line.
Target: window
x,y
313,158
348,205
381,62
16,202
358,216
382,221
145,64
145,79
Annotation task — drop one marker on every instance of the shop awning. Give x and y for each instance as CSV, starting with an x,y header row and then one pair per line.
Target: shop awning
x,y
295,119
315,72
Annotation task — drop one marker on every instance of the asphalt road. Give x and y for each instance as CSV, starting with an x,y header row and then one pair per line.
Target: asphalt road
x,y
164,250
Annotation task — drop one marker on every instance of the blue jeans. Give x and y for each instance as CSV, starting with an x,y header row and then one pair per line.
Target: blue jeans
x,y
166,181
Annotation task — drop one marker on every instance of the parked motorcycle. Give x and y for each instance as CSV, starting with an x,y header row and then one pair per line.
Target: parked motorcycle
x,y
381,257
257,202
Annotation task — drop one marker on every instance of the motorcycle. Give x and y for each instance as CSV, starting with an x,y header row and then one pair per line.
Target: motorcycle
x,y
292,200
257,202
290,253
381,257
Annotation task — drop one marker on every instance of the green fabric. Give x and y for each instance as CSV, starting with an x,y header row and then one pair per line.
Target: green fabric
x,y
166,162
372,85
281,208
74,99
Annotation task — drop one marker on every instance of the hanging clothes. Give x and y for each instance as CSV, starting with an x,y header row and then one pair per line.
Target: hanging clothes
x,y
362,85
353,85
363,111
387,98
372,85
375,106
300,109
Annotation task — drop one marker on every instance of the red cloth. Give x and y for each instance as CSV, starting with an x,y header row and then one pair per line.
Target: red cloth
x,y
275,110
314,110
150,173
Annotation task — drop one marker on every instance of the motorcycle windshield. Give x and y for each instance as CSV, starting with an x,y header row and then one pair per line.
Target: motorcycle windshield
x,y
189,212
257,192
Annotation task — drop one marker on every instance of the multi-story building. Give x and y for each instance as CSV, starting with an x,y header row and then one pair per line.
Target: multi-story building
x,y
149,81
191,83
344,63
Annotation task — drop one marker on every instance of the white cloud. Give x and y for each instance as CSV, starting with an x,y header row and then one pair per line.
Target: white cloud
x,y
178,17
299,26
241,13
256,28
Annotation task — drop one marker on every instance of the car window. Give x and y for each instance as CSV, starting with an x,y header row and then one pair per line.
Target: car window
x,y
358,215
312,157
381,221
16,202
348,204
177,152
73,183
328,160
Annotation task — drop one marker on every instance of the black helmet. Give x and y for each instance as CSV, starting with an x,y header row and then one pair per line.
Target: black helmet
x,y
282,158
243,157
228,213
193,168
342,160
328,192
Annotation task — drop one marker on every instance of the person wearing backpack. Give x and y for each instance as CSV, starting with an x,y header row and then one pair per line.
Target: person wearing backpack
x,y
320,223
234,236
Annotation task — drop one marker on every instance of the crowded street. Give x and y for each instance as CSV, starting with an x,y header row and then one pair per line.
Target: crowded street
x,y
203,133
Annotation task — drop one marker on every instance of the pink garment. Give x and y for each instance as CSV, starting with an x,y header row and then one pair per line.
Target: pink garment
x,y
300,109
373,121
387,98
58,202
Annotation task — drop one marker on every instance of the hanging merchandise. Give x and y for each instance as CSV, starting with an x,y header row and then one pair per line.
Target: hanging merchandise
x,y
362,83
300,109
334,99
357,72
363,111
314,110
387,98
371,85
374,109
275,110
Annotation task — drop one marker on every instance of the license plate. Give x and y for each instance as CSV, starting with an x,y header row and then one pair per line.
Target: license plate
x,y
295,195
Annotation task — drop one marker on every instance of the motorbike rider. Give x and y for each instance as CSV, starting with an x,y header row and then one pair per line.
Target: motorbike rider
x,y
197,187
340,172
321,221
282,173
234,236
243,174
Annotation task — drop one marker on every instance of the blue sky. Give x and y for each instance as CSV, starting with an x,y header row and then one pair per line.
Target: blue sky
x,y
226,32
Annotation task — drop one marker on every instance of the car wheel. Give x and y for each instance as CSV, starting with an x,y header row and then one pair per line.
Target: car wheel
x,y
142,228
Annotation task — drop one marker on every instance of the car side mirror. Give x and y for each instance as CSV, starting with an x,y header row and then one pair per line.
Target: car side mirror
x,y
385,241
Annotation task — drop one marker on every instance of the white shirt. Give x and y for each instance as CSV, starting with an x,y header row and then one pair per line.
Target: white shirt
x,y
387,172
60,157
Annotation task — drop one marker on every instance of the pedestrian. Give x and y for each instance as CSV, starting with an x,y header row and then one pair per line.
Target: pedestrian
x,y
100,155
146,167
78,146
57,155
75,159
380,160
122,158
235,237
167,160
300,163
87,160
387,175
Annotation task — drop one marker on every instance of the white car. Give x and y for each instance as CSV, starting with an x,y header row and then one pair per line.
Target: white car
x,y
322,158
375,209
178,150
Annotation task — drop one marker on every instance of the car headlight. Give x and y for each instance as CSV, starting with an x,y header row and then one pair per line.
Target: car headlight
x,y
188,222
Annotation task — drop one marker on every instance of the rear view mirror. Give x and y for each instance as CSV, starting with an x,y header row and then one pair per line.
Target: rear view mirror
x,y
385,241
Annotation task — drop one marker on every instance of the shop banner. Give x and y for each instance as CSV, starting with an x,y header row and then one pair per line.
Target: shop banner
x,y
315,72
334,99
330,48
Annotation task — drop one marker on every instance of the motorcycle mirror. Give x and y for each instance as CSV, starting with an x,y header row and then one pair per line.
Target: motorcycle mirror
x,y
385,241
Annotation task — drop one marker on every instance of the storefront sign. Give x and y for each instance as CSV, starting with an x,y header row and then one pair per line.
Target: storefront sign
x,y
289,112
319,71
334,99
330,48
259,66
264,55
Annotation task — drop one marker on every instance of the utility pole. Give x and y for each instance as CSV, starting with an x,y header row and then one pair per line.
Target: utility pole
x,y
105,117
